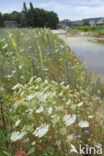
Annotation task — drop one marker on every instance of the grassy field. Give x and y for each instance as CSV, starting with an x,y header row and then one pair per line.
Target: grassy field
x,y
89,28
97,31
48,101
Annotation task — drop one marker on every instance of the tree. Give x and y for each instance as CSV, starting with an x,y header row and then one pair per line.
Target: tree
x,y
7,17
16,16
53,20
86,22
31,6
42,18
25,7
32,17
1,20
24,16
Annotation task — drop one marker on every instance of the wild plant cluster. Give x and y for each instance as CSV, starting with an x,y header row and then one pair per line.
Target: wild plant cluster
x,y
48,102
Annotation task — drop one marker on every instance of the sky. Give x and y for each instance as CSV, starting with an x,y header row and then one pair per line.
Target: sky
x,y
66,9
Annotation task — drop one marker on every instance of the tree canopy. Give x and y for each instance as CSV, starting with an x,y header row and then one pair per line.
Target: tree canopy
x,y
85,22
1,20
31,17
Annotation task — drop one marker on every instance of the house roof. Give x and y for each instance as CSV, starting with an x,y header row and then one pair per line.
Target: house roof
x,y
14,22
92,23
78,22
10,24
66,20
101,21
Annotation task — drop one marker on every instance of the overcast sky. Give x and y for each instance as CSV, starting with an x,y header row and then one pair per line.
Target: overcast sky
x,y
66,9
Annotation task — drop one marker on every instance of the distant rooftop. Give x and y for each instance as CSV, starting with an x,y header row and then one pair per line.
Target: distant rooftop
x,y
92,21
10,24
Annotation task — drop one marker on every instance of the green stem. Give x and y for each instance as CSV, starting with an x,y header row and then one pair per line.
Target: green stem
x,y
4,124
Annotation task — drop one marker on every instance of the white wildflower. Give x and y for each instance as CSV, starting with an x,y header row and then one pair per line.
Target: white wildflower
x,y
45,69
58,142
83,124
9,76
26,140
60,59
43,97
33,143
20,66
1,88
15,136
46,81
70,137
30,112
21,50
69,120
73,67
22,77
59,108
62,83
68,102
41,109
17,123
29,47
41,131
90,116
67,86
28,128
80,104
50,110
30,87
30,97
55,119
38,80
19,90
62,46
14,71
31,80
36,87
73,107
21,94
17,86
61,94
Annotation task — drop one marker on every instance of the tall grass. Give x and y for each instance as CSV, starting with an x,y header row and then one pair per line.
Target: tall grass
x,y
46,95
97,31
89,28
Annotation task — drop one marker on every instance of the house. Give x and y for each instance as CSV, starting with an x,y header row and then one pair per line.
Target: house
x,y
65,23
77,23
92,23
101,21
10,24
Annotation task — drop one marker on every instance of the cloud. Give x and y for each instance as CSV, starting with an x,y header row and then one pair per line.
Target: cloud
x,y
90,11
73,9
90,3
